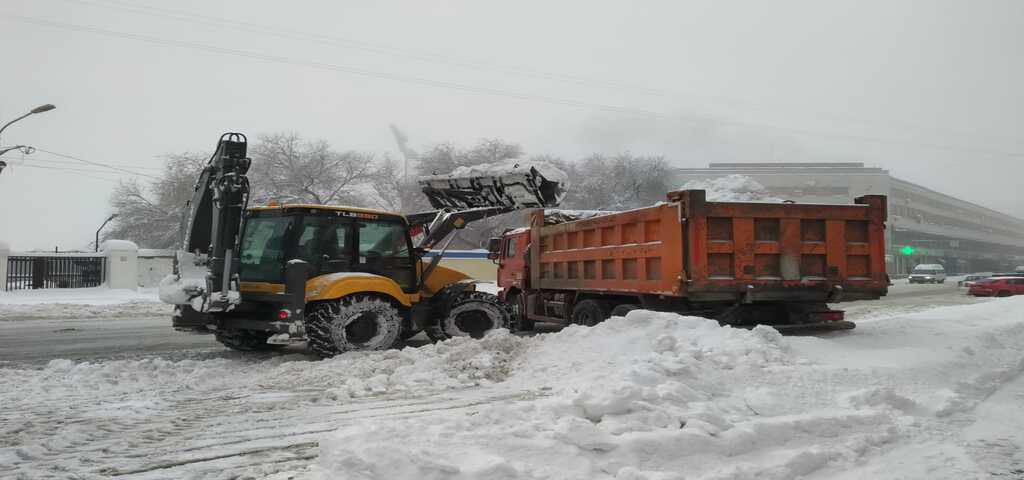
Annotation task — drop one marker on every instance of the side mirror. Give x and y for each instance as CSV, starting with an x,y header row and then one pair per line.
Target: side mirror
x,y
494,248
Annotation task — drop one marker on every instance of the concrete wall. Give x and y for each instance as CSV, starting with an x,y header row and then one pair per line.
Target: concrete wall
x,y
153,266
122,263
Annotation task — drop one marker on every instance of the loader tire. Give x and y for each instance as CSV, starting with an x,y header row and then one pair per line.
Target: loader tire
x,y
355,323
472,314
589,313
245,340
622,309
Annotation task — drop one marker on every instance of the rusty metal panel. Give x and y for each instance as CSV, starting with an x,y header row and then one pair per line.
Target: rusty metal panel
x,y
743,247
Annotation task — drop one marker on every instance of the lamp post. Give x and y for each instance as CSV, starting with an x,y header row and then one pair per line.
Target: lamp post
x,y
39,109
105,222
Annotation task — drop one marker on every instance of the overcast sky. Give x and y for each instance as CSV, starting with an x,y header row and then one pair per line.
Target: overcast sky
x,y
931,90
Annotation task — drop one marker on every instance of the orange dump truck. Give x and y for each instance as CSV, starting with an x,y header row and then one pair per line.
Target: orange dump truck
x,y
740,263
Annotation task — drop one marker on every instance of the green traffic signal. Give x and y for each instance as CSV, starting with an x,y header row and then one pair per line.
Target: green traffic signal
x,y
907,250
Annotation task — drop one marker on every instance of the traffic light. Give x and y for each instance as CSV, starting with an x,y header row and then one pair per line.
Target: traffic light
x,y
907,250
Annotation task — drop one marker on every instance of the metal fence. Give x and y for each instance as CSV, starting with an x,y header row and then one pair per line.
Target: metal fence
x,y
34,272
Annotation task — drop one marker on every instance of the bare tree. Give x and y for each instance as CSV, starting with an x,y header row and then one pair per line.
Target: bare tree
x,y
151,216
287,168
618,182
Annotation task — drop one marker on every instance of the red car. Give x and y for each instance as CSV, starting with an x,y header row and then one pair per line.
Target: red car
x,y
998,287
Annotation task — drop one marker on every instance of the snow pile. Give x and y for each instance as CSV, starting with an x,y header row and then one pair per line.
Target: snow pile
x,y
505,167
732,188
79,303
654,395
186,286
634,397
120,245
554,216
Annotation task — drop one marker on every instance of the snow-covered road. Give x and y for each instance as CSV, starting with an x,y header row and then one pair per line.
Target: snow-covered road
x,y
931,394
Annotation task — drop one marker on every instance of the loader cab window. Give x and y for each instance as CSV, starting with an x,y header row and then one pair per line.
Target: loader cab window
x,y
263,249
384,250
325,242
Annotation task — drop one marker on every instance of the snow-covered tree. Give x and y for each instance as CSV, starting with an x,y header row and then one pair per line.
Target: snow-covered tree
x,y
151,215
619,182
288,169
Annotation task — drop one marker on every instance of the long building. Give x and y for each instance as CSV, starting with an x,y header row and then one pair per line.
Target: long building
x,y
924,226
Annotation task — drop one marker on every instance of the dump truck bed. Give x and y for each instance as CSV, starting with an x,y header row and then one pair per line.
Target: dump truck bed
x,y
719,251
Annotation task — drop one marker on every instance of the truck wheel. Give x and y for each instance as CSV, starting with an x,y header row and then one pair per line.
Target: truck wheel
x,y
589,313
519,321
472,315
357,322
245,340
622,309
1003,293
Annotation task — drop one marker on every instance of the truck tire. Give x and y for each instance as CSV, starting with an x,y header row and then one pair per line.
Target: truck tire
x,y
355,323
622,309
1004,293
472,314
589,313
519,321
245,340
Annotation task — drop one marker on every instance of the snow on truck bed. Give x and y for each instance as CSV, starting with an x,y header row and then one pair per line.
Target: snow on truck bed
x,y
648,396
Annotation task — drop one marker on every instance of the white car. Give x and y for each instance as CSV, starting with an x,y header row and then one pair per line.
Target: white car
x,y
928,273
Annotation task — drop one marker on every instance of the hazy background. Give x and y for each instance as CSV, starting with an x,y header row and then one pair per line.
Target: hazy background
x,y
930,90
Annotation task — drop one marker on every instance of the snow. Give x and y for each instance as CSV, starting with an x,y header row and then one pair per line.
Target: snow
x,y
555,216
930,394
732,188
548,170
652,395
79,303
109,245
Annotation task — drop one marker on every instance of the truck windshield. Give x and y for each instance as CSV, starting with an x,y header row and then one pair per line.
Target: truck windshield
x,y
263,249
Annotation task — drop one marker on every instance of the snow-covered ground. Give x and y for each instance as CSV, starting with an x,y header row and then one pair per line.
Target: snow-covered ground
x,y
931,394
80,303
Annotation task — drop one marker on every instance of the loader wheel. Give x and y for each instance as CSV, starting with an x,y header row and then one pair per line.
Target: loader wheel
x,y
589,313
246,340
622,309
473,314
357,322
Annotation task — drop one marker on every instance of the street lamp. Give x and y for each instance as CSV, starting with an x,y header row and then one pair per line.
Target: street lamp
x,y
111,217
39,109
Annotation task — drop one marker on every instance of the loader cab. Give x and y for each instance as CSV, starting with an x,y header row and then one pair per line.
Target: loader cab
x,y
330,239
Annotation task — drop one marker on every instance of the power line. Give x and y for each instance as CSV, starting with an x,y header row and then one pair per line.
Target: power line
x,y
496,92
76,171
282,32
64,162
99,164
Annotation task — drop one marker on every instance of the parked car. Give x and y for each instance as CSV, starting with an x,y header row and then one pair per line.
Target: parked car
x,y
928,273
972,279
998,287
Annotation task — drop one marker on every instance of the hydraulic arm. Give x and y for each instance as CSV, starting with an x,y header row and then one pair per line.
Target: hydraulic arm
x,y
215,219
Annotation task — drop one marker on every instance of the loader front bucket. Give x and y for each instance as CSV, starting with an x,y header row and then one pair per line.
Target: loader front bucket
x,y
510,185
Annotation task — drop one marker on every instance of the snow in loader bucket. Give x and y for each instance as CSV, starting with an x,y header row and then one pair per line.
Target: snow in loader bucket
x,y
511,184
